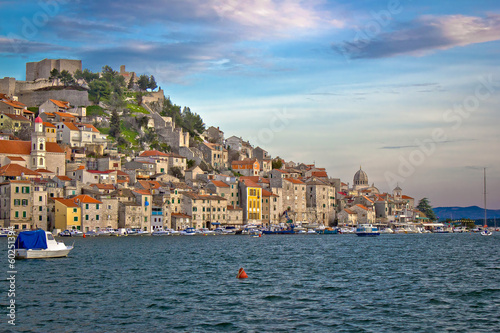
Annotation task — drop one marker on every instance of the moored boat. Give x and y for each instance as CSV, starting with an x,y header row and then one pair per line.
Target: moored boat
x,y
39,244
367,230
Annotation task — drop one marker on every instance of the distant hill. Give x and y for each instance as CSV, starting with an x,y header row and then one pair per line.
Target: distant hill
x,y
472,212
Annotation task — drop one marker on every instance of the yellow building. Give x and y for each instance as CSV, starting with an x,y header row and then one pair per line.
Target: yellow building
x,y
252,201
67,214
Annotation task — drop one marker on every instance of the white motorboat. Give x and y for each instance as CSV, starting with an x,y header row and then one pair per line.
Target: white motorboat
x,y
367,230
39,244
486,232
188,232
160,232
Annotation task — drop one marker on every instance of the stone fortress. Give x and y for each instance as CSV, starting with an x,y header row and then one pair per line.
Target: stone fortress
x,y
36,89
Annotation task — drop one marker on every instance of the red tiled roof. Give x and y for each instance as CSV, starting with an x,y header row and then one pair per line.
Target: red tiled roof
x,y
319,174
406,197
244,162
47,124
233,208
91,127
254,179
43,171
143,192
362,207
266,193
16,158
121,173
71,126
250,183
64,178
17,117
64,114
67,202
16,170
294,181
180,215
104,186
86,199
61,104
11,103
349,211
219,183
149,153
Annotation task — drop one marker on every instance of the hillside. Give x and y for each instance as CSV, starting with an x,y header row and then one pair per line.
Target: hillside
x,y
471,212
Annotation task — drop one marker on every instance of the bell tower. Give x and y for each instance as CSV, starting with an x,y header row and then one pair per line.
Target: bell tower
x,y
38,144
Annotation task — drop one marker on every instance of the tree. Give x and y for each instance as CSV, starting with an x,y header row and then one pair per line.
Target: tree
x,y
99,89
143,82
78,75
130,85
425,207
277,163
66,78
88,76
152,83
54,74
190,163
114,126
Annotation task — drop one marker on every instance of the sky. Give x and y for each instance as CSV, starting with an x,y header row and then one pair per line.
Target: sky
x,y
407,90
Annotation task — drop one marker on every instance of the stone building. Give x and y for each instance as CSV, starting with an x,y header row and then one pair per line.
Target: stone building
x,y
320,197
42,69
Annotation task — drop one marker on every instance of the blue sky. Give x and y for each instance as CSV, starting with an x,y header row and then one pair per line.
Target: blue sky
x,y
407,89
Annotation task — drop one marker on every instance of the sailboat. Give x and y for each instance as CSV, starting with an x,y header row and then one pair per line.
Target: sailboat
x,y
485,232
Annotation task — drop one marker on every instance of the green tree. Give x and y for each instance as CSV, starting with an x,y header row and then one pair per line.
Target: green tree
x,y
114,126
130,85
88,76
66,78
152,83
54,75
425,207
99,89
277,163
143,82
190,163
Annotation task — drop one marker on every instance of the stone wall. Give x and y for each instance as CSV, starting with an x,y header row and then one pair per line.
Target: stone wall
x,y
41,69
37,98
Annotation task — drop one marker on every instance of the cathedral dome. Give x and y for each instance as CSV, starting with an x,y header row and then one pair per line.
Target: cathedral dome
x,y
360,178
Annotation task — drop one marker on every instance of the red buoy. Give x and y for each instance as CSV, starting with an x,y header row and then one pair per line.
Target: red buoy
x,y
84,236
241,274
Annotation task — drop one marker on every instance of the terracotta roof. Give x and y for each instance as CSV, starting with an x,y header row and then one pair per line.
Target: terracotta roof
x,y
362,207
234,208
64,114
102,172
180,215
254,179
47,124
86,199
121,173
44,171
17,117
343,184
10,103
149,153
319,174
71,126
61,104
350,211
67,202
16,158
368,199
250,183
104,186
266,193
244,162
64,178
219,183
16,170
282,171
406,197
294,181
143,192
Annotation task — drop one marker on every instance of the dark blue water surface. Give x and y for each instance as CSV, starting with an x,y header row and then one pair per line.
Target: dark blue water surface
x,y
309,283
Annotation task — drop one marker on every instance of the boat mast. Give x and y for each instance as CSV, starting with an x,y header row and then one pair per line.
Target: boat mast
x,y
485,221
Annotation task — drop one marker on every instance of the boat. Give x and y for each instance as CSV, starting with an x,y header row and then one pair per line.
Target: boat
x,y
188,232
38,244
6,232
486,232
160,232
367,230
327,231
65,233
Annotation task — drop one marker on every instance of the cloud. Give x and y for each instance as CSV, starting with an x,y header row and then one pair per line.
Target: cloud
x,y
11,46
424,35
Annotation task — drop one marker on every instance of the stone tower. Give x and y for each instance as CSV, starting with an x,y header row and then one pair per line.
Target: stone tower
x,y
38,145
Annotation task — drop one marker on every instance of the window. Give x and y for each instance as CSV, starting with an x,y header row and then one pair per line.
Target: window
x,y
86,217
97,206
17,202
86,206
40,218
17,189
75,219
40,208
74,210
40,198
26,189
145,219
97,217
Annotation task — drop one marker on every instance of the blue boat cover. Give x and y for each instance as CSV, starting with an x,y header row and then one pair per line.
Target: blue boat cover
x,y
31,240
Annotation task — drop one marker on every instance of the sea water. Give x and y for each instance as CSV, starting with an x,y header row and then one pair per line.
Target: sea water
x,y
307,283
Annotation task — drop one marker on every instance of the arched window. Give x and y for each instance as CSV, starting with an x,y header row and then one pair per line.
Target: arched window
x,y
34,161
41,161
34,146
41,146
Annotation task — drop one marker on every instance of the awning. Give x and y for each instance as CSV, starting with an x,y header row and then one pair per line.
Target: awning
x,y
215,223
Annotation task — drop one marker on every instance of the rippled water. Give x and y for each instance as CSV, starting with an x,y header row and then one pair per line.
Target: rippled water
x,y
311,283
